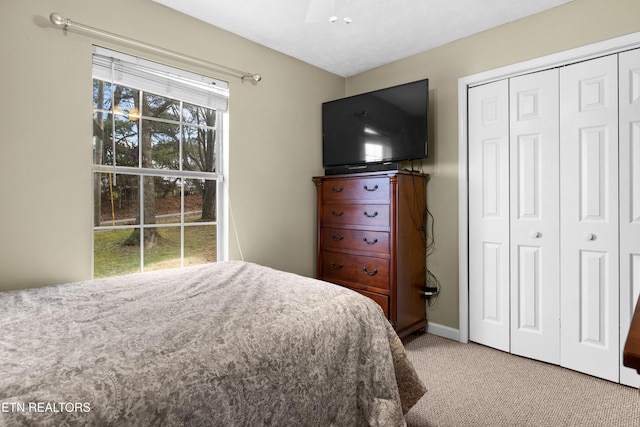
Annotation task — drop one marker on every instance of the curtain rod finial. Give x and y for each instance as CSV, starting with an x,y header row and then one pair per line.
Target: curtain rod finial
x,y
57,20
254,78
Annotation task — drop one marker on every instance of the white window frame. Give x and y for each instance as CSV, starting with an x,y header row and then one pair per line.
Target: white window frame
x,y
182,86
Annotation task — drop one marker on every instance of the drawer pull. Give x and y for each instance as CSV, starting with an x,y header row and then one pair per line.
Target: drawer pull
x,y
337,190
370,273
337,239
336,266
374,188
337,214
373,215
373,242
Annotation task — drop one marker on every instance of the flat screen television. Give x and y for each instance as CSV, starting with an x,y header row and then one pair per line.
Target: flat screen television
x,y
376,130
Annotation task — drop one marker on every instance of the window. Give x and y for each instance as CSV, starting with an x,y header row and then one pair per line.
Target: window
x,y
157,166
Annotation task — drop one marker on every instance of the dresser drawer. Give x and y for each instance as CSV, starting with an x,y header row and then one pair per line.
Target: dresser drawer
x,y
364,270
382,300
359,240
361,189
367,215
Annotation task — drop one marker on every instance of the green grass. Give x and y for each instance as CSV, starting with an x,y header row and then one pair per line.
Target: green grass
x,y
112,257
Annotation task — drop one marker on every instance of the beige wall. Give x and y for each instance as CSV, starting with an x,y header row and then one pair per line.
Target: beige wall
x,y
45,152
574,24
45,136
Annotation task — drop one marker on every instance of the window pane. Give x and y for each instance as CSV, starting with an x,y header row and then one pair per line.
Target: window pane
x,y
114,253
116,202
102,146
160,145
126,134
102,92
200,200
202,116
164,208
127,102
199,149
199,244
164,252
160,107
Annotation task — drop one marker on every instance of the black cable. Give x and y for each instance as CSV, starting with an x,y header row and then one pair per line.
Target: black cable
x,y
427,224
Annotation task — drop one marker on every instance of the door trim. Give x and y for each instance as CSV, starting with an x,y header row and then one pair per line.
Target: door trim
x,y
607,47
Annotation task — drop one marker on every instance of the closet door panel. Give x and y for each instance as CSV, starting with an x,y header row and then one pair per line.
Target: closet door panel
x,y
629,199
489,215
534,197
589,217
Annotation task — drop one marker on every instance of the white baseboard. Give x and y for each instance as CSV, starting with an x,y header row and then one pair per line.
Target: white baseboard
x,y
443,331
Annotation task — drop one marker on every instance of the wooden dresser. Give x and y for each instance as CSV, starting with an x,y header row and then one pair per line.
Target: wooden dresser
x,y
371,239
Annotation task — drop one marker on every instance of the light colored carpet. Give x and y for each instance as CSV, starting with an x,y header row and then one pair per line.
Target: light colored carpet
x,y
473,385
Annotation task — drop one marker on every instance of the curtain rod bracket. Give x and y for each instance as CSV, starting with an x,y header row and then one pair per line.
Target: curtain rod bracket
x,y
65,23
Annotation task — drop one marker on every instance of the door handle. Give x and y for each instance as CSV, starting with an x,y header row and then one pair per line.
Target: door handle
x,y
589,236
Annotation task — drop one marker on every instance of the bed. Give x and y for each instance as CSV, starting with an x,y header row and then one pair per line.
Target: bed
x,y
221,344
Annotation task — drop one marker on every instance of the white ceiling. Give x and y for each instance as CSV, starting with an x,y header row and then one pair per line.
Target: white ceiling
x,y
382,31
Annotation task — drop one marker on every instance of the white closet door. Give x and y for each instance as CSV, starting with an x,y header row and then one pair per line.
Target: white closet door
x,y
489,215
535,274
629,199
589,217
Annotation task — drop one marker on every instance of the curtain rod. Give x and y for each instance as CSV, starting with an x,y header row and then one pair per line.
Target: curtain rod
x,y
64,23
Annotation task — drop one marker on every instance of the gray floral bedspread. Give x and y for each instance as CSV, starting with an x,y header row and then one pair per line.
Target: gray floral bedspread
x,y
223,344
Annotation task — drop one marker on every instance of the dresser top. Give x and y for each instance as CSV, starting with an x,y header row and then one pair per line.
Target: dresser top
x,y
375,174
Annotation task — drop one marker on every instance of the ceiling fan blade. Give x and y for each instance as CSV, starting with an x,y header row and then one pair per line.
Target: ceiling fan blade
x,y
318,11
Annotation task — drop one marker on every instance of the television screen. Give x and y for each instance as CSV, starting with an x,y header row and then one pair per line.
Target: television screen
x,y
383,126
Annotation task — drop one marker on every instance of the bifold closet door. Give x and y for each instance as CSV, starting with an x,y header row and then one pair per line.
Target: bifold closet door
x,y
534,196
629,114
554,223
489,215
513,216
589,217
